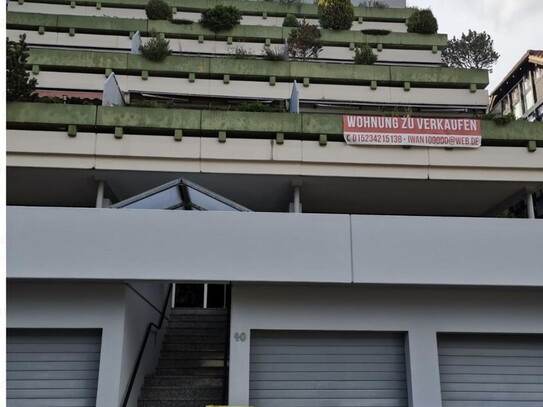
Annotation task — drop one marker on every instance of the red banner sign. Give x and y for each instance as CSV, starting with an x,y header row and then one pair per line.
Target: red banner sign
x,y
412,131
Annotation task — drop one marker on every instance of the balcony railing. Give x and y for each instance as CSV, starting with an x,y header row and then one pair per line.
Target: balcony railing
x,y
278,35
256,8
258,69
209,123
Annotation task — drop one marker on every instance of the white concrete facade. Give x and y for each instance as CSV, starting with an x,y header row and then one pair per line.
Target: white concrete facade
x,y
414,275
271,247
112,307
420,313
53,149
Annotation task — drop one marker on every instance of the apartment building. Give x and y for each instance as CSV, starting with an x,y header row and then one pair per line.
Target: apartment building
x,y
520,93
344,247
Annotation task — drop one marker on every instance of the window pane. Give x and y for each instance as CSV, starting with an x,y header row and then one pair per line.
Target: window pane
x,y
207,202
161,200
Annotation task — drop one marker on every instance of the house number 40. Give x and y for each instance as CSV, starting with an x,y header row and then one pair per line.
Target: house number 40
x,y
240,337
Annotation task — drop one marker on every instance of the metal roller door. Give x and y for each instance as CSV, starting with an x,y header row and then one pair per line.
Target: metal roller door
x,y
327,369
491,370
52,367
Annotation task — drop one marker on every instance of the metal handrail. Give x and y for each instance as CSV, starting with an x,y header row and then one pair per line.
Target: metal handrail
x,y
151,325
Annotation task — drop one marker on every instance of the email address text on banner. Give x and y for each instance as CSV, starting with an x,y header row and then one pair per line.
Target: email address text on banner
x,y
412,131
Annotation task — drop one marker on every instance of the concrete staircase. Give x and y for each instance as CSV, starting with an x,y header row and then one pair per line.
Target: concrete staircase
x,y
190,370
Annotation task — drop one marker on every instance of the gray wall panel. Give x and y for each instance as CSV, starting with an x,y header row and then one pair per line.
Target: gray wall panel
x,y
177,245
432,250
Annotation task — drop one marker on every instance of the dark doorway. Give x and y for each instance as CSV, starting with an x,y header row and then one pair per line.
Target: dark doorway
x,y
195,296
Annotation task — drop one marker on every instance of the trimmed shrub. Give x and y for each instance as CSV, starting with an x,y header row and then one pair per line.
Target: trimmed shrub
x,y
158,10
422,22
305,41
156,49
290,21
221,18
336,14
363,55
370,31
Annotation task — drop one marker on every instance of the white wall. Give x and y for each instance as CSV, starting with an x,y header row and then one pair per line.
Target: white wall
x,y
137,317
75,305
130,244
118,311
420,312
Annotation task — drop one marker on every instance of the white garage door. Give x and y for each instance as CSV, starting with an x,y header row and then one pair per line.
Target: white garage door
x,y
491,370
327,369
52,367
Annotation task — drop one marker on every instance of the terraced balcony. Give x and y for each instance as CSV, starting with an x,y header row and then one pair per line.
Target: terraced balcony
x,y
248,8
221,124
193,76
246,33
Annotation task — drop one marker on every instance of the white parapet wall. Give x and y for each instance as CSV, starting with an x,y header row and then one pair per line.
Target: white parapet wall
x,y
117,244
54,149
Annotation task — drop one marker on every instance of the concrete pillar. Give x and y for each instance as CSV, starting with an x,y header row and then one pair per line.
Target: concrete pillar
x,y
100,194
530,205
240,353
297,206
423,382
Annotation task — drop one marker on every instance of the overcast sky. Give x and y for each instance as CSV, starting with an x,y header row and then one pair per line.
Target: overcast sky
x,y
515,26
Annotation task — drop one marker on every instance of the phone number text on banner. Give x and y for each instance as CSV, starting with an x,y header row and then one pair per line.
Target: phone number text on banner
x,y
412,131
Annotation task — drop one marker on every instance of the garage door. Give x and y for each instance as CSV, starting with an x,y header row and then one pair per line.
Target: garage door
x,y
52,368
491,370
327,369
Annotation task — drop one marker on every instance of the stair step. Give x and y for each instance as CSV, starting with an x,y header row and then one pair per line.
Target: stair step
x,y
194,372
172,393
198,317
183,381
181,363
183,355
194,347
176,403
184,339
202,323
199,311
196,331
190,371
